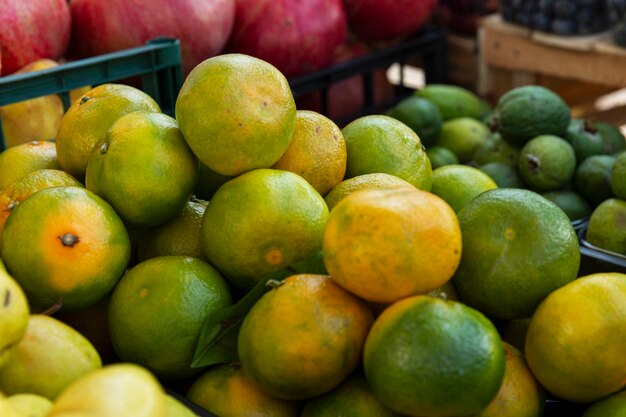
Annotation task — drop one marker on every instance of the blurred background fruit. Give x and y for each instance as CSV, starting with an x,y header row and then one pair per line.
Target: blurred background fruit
x,y
49,357
292,35
32,30
203,26
373,20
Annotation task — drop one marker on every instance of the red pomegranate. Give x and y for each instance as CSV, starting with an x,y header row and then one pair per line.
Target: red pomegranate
x,y
296,36
346,98
375,20
203,26
33,29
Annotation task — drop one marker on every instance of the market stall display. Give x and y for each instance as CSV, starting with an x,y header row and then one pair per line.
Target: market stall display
x,y
230,242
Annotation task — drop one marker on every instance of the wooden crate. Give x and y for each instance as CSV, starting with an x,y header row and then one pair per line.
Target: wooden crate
x,y
579,68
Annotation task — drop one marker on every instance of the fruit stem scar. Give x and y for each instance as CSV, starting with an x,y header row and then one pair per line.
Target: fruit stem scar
x,y
104,147
12,205
509,233
7,297
69,239
84,99
534,163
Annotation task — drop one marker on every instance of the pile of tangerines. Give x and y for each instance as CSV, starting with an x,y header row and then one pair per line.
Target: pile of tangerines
x,y
384,300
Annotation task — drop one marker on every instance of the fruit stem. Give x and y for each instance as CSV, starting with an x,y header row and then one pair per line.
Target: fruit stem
x,y
590,126
69,239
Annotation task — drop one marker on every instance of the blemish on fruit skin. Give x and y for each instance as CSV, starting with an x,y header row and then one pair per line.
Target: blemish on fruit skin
x,y
143,293
509,233
7,298
84,99
274,257
12,205
104,147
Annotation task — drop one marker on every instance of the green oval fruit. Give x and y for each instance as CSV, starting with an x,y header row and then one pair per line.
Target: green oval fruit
x,y
420,115
618,176
504,175
592,179
613,137
495,149
440,156
453,101
526,112
571,203
607,226
547,163
585,139
463,136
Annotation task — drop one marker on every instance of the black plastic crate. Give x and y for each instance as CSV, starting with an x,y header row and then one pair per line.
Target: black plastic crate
x,y
595,259
428,47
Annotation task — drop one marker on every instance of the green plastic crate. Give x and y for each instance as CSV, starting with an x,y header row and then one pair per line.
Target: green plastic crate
x,y
158,63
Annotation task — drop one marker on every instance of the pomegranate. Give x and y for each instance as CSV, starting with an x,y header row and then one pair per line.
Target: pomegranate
x,y
296,36
31,30
203,26
376,20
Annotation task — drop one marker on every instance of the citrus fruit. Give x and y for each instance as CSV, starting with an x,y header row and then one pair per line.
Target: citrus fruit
x,y
261,222
143,168
421,115
495,149
158,308
14,318
353,398
618,177
87,121
17,161
520,394
547,163
518,247
237,113
317,151
463,136
592,179
376,181
504,175
422,349
67,244
585,139
514,332
179,236
459,184
571,203
576,338
440,156
614,140
378,143
529,111
16,192
30,405
49,357
453,101
607,226
384,245
226,391
612,406
208,182
136,392
7,410
303,338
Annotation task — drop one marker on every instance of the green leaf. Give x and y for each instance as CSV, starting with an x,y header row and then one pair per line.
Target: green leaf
x,y
217,342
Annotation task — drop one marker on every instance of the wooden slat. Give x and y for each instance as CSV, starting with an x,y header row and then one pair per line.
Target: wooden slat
x,y
511,49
